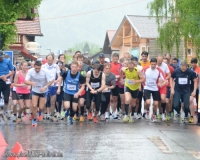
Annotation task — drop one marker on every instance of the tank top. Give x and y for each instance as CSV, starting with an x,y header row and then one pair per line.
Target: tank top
x,y
129,77
22,90
71,84
95,82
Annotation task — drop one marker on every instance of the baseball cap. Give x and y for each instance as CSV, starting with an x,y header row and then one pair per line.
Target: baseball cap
x,y
95,62
1,54
107,60
101,55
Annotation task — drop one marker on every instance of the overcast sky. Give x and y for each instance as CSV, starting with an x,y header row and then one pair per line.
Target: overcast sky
x,y
63,32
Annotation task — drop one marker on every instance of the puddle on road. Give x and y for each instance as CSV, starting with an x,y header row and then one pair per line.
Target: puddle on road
x,y
160,144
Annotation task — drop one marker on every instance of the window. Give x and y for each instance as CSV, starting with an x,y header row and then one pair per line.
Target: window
x,y
143,49
189,52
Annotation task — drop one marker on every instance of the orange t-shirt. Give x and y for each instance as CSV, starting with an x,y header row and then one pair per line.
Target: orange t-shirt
x,y
145,64
115,70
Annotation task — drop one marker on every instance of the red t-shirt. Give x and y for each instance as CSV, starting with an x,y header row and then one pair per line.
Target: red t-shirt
x,y
115,70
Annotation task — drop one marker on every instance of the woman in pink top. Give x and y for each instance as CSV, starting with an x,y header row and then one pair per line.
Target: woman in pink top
x,y
22,90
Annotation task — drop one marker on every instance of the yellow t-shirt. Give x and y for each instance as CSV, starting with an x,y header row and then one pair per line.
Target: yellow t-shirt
x,y
129,77
145,64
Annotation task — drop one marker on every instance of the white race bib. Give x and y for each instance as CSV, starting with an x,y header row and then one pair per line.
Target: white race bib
x,y
182,81
95,85
14,88
71,87
130,81
151,83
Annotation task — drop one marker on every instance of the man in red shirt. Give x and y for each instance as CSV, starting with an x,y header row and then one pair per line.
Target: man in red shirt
x,y
168,96
115,92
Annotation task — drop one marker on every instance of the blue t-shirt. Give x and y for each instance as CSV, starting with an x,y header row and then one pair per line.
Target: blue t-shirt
x,y
5,67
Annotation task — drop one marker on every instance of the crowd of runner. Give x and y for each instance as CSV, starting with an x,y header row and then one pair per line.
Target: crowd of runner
x,y
53,90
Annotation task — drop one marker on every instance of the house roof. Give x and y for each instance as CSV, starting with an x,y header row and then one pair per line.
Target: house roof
x,y
111,34
29,27
144,26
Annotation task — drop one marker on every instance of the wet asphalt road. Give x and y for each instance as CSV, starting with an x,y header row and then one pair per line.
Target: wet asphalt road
x,y
111,140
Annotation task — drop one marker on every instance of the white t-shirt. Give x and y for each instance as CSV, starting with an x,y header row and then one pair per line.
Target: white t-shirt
x,y
41,79
152,77
164,67
53,70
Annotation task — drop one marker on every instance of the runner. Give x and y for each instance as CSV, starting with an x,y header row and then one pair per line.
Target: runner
x,y
132,84
40,80
180,88
22,90
6,70
74,58
54,71
72,79
110,84
138,110
102,60
163,91
196,69
85,67
115,92
95,81
169,107
145,62
152,85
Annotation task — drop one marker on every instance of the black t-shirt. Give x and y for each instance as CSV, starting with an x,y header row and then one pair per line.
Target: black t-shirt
x,y
81,77
183,80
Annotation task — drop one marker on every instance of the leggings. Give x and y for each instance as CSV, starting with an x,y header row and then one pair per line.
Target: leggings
x,y
104,105
97,98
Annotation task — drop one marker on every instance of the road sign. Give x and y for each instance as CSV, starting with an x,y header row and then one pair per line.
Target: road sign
x,y
10,53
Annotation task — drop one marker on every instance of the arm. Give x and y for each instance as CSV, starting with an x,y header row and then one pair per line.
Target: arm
x,y
168,76
113,84
88,80
4,77
141,76
172,85
103,82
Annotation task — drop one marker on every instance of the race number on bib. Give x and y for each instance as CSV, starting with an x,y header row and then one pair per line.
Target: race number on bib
x,y
182,81
71,87
130,81
95,85
151,83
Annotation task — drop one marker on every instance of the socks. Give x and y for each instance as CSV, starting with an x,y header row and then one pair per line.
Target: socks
x,y
133,110
126,108
82,110
163,105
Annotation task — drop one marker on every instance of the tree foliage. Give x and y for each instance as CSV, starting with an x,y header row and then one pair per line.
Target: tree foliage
x,y
91,48
177,20
10,11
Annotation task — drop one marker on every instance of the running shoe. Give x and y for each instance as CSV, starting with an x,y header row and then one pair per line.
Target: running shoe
x,y
114,116
48,117
34,123
56,114
191,120
163,117
167,118
159,116
131,119
81,119
89,116
14,118
40,118
102,117
169,115
54,119
153,118
19,120
147,115
176,117
45,116
8,114
186,120
63,114
95,120
107,116
74,118
139,116
125,119
71,120
144,114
